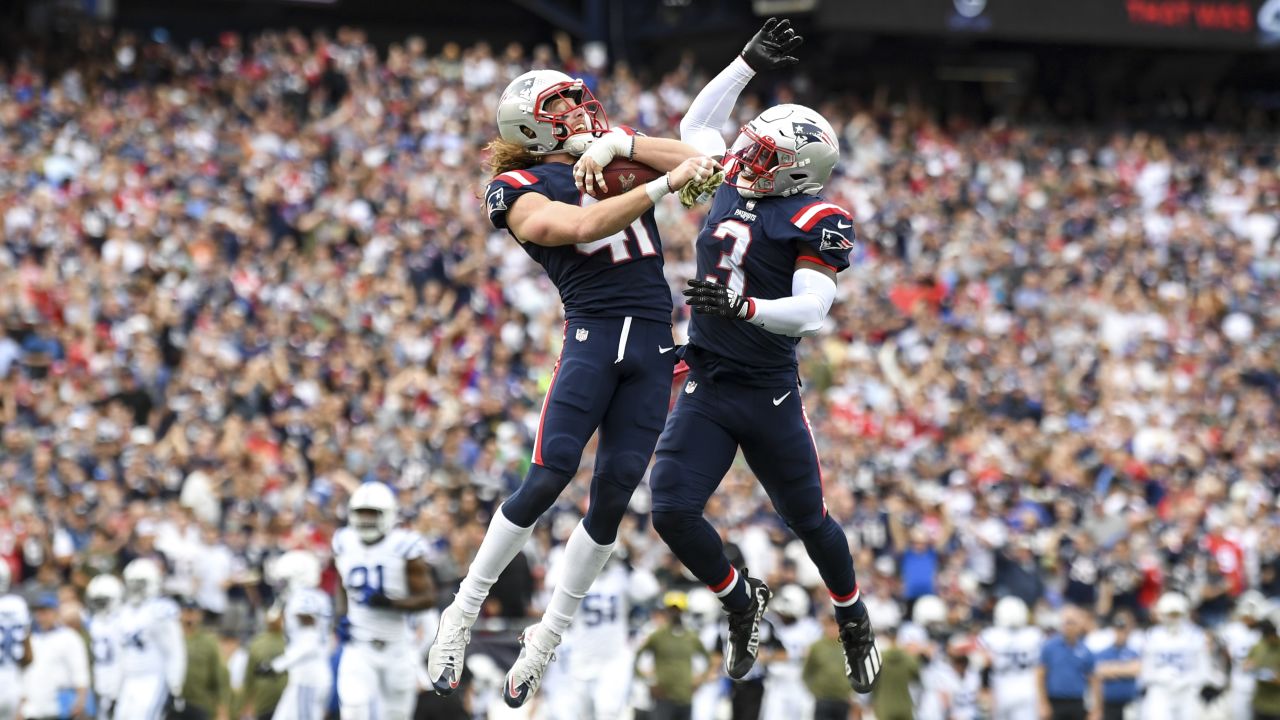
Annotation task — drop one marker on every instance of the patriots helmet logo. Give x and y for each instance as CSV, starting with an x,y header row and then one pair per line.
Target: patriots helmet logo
x,y
807,132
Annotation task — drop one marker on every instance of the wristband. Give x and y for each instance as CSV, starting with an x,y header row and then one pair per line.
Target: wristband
x,y
656,189
631,153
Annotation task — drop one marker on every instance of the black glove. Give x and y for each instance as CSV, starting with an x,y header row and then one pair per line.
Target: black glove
x,y
1209,693
378,600
769,49
711,298
264,669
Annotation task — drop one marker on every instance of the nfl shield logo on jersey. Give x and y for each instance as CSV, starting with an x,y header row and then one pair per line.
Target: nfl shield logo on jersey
x,y
581,335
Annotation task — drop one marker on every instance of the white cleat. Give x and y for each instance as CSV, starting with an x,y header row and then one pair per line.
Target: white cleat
x,y
537,650
449,651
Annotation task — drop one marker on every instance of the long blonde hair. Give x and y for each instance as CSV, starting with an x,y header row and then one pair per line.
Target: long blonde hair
x,y
506,156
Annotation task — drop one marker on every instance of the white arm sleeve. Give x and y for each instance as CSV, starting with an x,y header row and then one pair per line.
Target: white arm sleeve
x,y
307,643
800,315
175,655
710,110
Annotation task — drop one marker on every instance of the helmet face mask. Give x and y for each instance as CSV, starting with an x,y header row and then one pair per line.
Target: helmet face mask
x,y
104,594
368,524
542,108
576,106
141,581
786,150
371,513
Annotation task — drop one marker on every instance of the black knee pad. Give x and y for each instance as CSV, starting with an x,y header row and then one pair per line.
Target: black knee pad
x,y
671,524
535,495
561,454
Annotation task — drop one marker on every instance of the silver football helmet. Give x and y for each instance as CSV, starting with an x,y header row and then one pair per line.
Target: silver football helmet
x,y
525,117
786,150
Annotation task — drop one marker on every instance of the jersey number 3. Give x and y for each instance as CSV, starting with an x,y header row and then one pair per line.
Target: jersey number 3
x,y
732,259
617,242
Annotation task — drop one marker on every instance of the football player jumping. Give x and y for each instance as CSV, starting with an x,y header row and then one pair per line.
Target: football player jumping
x,y
614,372
767,262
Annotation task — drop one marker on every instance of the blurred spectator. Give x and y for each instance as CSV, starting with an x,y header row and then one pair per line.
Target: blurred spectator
x,y
671,649
262,691
824,673
1118,666
893,698
1264,661
1067,674
207,690
56,683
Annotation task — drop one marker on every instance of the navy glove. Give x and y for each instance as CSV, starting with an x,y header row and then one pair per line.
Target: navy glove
x,y
770,48
711,298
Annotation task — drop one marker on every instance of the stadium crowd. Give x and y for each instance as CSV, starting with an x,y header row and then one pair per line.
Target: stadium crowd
x,y
240,278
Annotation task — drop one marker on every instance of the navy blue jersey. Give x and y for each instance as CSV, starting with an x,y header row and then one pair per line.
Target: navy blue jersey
x,y
752,246
618,276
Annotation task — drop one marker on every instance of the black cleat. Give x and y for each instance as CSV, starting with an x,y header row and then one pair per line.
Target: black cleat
x,y
744,630
861,657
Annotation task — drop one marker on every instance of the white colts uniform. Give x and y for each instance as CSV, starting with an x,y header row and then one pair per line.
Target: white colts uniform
x,y
377,677
785,695
1015,655
104,649
1240,639
595,658
15,627
1175,665
949,694
306,657
153,658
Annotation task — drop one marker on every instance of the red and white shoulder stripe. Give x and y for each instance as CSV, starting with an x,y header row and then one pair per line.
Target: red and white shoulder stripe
x,y
518,178
809,215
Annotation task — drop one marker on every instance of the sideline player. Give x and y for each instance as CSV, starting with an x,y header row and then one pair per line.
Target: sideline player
x,y
767,260
1175,662
307,616
1013,652
15,645
103,597
385,578
153,649
614,372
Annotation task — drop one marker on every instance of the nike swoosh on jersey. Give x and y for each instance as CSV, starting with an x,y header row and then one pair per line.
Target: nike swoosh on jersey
x,y
844,226
778,401
664,351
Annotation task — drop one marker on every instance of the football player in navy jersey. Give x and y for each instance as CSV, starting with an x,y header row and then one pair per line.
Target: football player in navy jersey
x,y
614,372
767,261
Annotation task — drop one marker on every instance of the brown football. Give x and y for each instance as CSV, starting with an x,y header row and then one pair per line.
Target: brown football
x,y
622,175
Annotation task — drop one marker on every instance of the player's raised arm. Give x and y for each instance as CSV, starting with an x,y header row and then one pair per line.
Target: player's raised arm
x,y
769,49
539,220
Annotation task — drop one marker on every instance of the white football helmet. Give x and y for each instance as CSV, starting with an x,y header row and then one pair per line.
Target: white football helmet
x,y
929,610
1252,605
1172,608
786,150
104,594
704,607
142,579
524,118
296,570
377,498
791,600
1011,612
